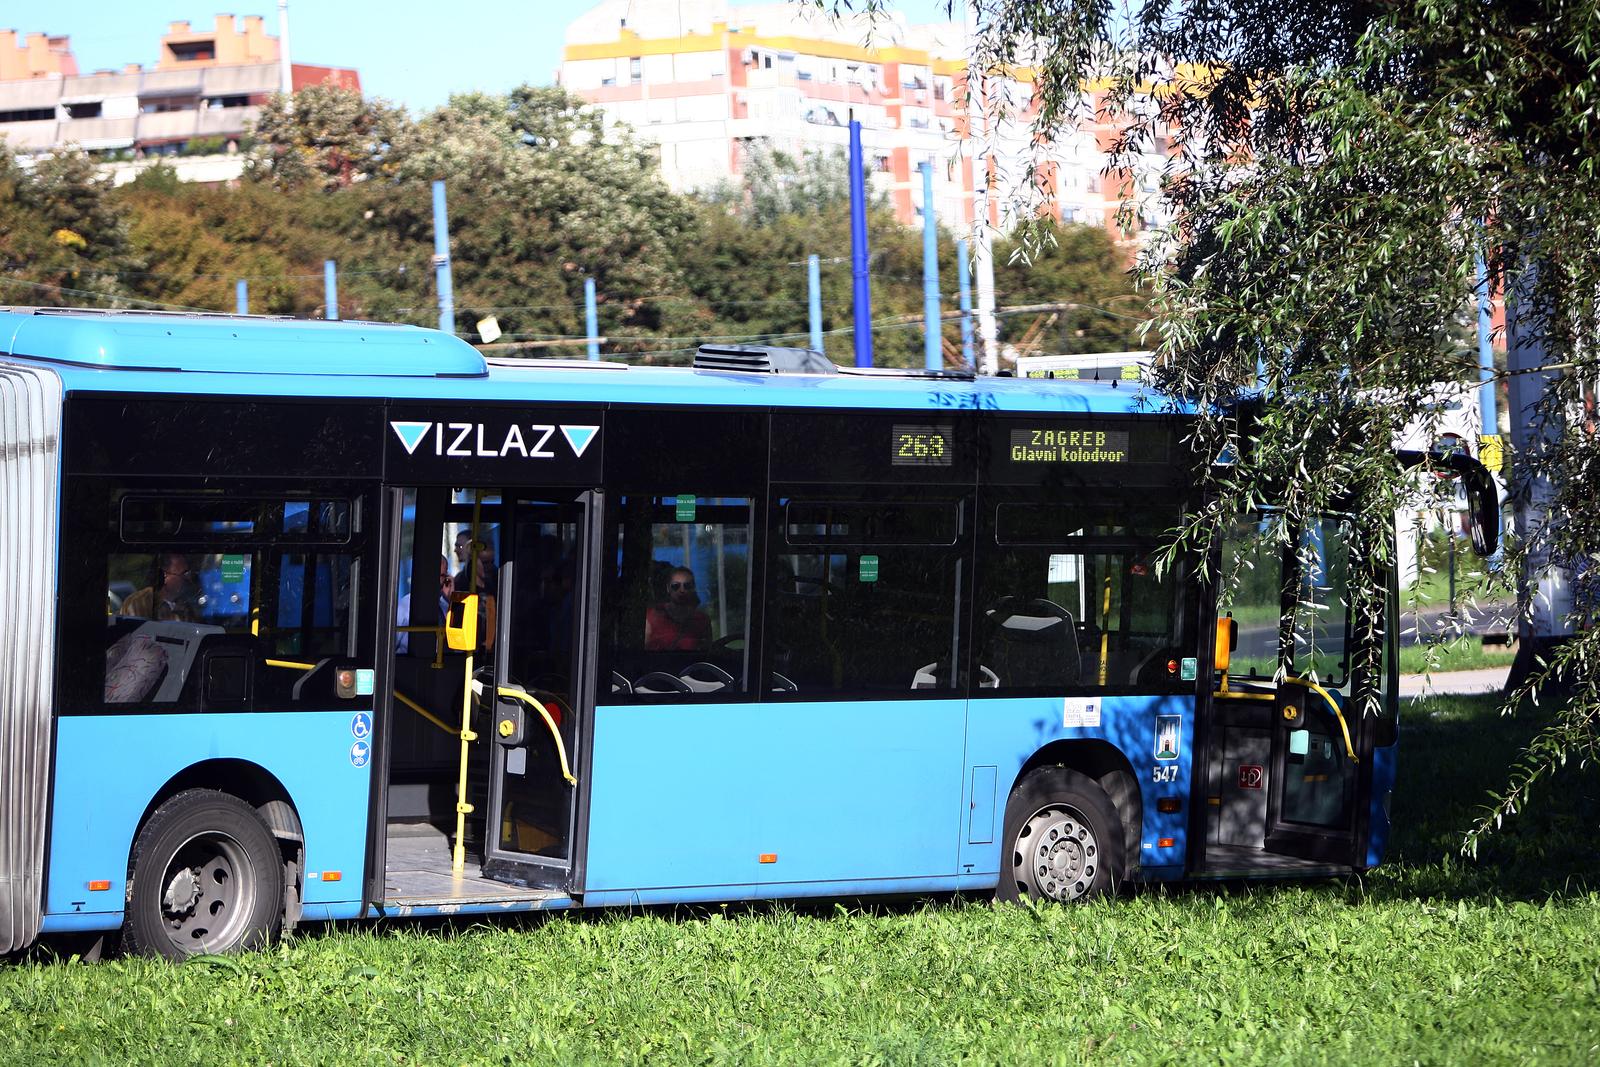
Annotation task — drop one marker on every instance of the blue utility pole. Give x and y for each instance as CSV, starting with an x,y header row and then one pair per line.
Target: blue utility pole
x,y
814,295
1487,407
441,261
933,333
330,289
591,318
964,281
241,297
858,250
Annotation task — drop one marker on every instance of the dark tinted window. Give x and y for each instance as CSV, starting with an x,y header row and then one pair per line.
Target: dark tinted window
x,y
206,601
677,601
863,599
1069,598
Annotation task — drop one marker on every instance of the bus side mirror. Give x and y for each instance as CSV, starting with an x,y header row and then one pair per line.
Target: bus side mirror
x,y
461,624
1483,509
1227,641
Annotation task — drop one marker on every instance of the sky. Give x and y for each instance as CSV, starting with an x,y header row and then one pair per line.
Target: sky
x,y
413,52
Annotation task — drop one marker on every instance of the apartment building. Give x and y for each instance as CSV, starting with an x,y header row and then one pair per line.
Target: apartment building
x,y
196,100
704,80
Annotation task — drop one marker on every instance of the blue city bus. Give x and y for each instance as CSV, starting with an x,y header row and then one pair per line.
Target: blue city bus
x,y
761,628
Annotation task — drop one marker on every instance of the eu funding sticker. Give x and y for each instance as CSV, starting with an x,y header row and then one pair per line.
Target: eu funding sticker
x,y
1079,712
1069,446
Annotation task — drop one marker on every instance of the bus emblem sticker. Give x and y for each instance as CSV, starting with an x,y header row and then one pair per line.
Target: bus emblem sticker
x,y
359,754
1167,736
579,437
1081,712
411,434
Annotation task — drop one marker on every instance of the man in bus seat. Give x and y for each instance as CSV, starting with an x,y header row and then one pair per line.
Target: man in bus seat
x,y
402,615
173,592
677,624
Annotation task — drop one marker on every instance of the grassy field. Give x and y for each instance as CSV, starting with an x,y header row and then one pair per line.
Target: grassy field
x,y
1463,654
1431,959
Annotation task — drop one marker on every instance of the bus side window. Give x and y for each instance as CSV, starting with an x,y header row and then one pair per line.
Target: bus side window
x,y
1069,596
677,603
224,602
862,597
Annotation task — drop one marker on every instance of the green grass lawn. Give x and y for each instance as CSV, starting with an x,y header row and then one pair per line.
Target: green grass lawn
x,y
1463,654
1431,959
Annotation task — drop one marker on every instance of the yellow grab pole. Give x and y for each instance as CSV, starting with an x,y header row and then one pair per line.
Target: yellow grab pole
x,y
458,855
1105,634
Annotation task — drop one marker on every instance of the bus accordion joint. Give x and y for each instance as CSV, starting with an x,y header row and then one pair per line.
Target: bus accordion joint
x,y
544,713
1338,713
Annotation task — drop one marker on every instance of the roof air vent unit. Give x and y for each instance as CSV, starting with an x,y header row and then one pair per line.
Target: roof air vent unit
x,y
762,359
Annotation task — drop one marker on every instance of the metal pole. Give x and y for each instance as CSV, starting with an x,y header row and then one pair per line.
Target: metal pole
x,y
964,281
814,295
988,328
858,250
1486,398
1545,584
932,328
591,318
330,289
241,297
441,261
285,67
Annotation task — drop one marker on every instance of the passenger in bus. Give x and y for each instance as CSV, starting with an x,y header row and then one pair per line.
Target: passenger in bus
x,y
173,593
402,615
486,563
677,624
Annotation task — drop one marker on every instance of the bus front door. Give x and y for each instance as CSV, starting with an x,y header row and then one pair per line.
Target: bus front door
x,y
535,689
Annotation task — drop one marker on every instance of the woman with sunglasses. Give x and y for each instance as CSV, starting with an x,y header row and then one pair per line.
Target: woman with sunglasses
x,y
677,624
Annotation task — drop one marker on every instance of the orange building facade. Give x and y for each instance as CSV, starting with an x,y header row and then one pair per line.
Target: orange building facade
x,y
202,92
705,82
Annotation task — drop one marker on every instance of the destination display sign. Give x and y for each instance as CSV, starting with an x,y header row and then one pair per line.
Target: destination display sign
x,y
1084,449
1050,446
921,446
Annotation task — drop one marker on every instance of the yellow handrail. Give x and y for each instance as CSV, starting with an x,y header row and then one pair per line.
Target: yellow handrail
x,y
1344,727
425,713
293,665
561,749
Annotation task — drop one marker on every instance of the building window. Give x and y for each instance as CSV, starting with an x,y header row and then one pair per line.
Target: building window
x,y
32,114
194,51
635,70
227,101
87,110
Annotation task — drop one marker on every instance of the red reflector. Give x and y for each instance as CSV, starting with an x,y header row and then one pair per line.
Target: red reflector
x,y
769,857
332,876
99,885
1169,805
1166,842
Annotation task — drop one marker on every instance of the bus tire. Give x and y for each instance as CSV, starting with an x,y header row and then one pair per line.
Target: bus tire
x,y
1063,839
205,877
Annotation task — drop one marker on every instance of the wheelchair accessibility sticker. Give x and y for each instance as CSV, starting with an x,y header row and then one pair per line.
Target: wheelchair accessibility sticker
x,y
1167,727
361,725
360,752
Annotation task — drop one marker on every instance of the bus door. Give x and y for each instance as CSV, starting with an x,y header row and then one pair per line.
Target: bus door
x,y
538,678
1287,754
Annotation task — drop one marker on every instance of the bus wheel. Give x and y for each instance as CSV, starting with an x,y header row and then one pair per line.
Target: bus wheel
x,y
206,877
1063,839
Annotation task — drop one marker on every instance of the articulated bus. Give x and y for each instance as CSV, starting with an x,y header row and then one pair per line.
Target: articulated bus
x,y
308,621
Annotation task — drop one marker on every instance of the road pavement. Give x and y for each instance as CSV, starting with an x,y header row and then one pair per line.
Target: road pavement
x,y
1486,680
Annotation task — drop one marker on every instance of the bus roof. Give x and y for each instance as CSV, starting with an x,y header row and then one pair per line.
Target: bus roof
x,y
230,355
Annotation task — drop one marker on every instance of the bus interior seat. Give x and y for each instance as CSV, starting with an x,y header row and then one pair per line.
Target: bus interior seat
x,y
1033,641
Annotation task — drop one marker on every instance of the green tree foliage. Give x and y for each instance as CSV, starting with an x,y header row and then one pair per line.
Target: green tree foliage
x,y
543,193
63,239
1073,265
1341,165
324,135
